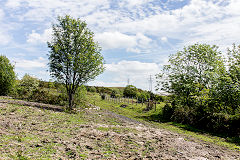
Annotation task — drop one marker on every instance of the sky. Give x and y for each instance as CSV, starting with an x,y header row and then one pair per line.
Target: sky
x,y
136,36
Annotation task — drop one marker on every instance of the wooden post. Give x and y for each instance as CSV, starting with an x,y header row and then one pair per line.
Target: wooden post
x,y
128,100
132,100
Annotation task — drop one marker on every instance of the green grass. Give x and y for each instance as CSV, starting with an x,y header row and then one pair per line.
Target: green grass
x,y
137,112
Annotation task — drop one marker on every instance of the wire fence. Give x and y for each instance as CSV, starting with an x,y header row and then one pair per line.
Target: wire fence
x,y
148,104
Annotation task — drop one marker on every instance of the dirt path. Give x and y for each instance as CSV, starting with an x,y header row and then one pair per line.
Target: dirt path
x,y
36,133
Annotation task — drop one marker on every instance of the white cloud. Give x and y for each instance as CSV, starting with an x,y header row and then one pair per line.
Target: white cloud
x,y
23,64
133,67
36,38
112,40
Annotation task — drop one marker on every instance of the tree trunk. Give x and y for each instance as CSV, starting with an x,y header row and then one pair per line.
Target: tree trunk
x,y
70,101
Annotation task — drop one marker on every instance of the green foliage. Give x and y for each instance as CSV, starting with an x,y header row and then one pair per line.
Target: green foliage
x,y
106,90
159,98
130,91
195,68
27,86
49,97
7,76
91,89
80,96
115,93
74,57
205,90
168,111
143,96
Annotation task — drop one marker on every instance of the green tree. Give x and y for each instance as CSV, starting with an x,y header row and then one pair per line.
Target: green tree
x,y
7,75
130,91
74,57
227,92
234,62
196,68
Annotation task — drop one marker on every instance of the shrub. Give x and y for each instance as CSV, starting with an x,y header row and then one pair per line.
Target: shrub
x,y
92,89
7,76
80,97
168,111
44,96
26,86
115,93
143,96
130,91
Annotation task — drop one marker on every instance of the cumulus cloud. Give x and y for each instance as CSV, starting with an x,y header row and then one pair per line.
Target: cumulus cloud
x,y
132,43
37,38
112,40
24,64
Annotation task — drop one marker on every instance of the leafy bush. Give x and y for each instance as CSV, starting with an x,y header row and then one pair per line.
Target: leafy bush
x,y
26,86
115,93
92,89
143,96
44,96
80,97
168,111
7,76
130,91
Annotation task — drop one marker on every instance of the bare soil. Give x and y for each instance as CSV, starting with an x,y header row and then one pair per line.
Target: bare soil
x,y
38,131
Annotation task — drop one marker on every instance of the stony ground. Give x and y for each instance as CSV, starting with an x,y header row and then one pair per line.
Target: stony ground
x,y
29,131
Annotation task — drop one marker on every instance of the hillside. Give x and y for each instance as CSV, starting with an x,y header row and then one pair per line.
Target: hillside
x,y
29,131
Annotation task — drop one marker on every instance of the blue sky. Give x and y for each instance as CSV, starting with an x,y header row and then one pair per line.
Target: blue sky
x,y
136,36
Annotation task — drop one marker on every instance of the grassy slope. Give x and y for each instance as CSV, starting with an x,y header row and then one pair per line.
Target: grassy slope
x,y
45,134
135,112
33,133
